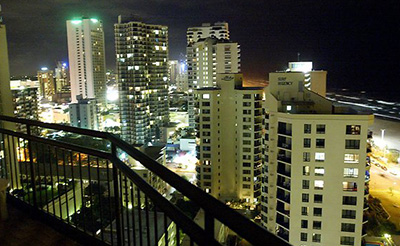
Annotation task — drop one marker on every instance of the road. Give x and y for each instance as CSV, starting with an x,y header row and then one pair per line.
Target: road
x,y
386,187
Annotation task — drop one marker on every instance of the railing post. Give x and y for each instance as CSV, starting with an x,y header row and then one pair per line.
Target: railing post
x,y
209,223
117,201
28,131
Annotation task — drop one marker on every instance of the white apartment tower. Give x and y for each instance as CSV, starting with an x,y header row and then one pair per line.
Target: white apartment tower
x,y
219,30
86,59
142,66
229,128
207,58
316,169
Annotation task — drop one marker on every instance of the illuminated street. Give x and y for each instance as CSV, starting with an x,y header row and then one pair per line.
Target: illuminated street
x,y
386,186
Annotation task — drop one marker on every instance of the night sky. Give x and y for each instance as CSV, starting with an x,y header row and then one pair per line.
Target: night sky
x,y
355,41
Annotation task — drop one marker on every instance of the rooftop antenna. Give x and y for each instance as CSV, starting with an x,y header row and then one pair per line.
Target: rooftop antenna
x,y
298,56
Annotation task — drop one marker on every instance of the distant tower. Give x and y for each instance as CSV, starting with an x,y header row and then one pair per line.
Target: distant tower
x,y
86,59
142,66
62,77
46,83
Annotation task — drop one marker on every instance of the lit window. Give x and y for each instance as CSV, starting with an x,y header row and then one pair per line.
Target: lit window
x,y
351,158
319,156
318,184
350,172
206,96
319,171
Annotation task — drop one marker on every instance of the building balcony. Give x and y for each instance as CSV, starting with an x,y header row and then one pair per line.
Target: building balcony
x,y
284,158
93,196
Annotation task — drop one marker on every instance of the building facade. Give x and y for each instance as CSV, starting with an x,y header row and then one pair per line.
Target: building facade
x,y
229,126
315,166
83,114
207,58
5,91
25,96
142,67
219,30
86,59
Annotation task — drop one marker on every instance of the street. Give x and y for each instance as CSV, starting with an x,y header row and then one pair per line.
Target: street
x,y
386,186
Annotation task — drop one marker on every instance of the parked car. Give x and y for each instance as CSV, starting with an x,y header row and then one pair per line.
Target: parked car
x,y
384,168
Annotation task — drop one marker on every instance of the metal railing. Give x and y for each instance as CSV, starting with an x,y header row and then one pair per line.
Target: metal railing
x,y
113,194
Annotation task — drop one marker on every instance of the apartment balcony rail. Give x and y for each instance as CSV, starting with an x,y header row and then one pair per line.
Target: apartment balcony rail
x,y
284,158
285,131
100,197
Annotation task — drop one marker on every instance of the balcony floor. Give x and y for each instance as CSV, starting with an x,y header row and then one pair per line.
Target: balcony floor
x,y
21,229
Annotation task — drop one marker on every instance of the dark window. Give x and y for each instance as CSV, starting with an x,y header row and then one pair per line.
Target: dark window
x,y
317,198
304,223
348,214
307,128
349,200
320,143
306,156
304,210
303,237
306,184
348,227
317,211
317,225
307,143
305,197
205,104
316,238
320,129
347,240
352,144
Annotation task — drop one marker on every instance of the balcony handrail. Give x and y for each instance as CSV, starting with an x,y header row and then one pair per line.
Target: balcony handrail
x,y
245,228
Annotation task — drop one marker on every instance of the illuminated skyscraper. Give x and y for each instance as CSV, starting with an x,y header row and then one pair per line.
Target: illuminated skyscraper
x,y
316,165
229,125
142,64
46,83
62,77
86,59
206,58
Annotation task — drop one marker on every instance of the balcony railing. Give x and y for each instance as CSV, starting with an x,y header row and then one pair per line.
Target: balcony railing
x,y
99,197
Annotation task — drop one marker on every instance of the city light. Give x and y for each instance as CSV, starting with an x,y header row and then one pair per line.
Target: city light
x,y
44,69
76,21
94,20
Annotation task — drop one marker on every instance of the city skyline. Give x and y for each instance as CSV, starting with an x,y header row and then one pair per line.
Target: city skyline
x,y
335,36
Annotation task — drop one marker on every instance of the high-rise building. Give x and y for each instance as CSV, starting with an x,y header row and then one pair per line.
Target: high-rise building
x,y
314,80
47,86
229,125
316,170
5,91
86,59
219,30
207,58
25,101
142,64
83,114
62,77
182,77
173,67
